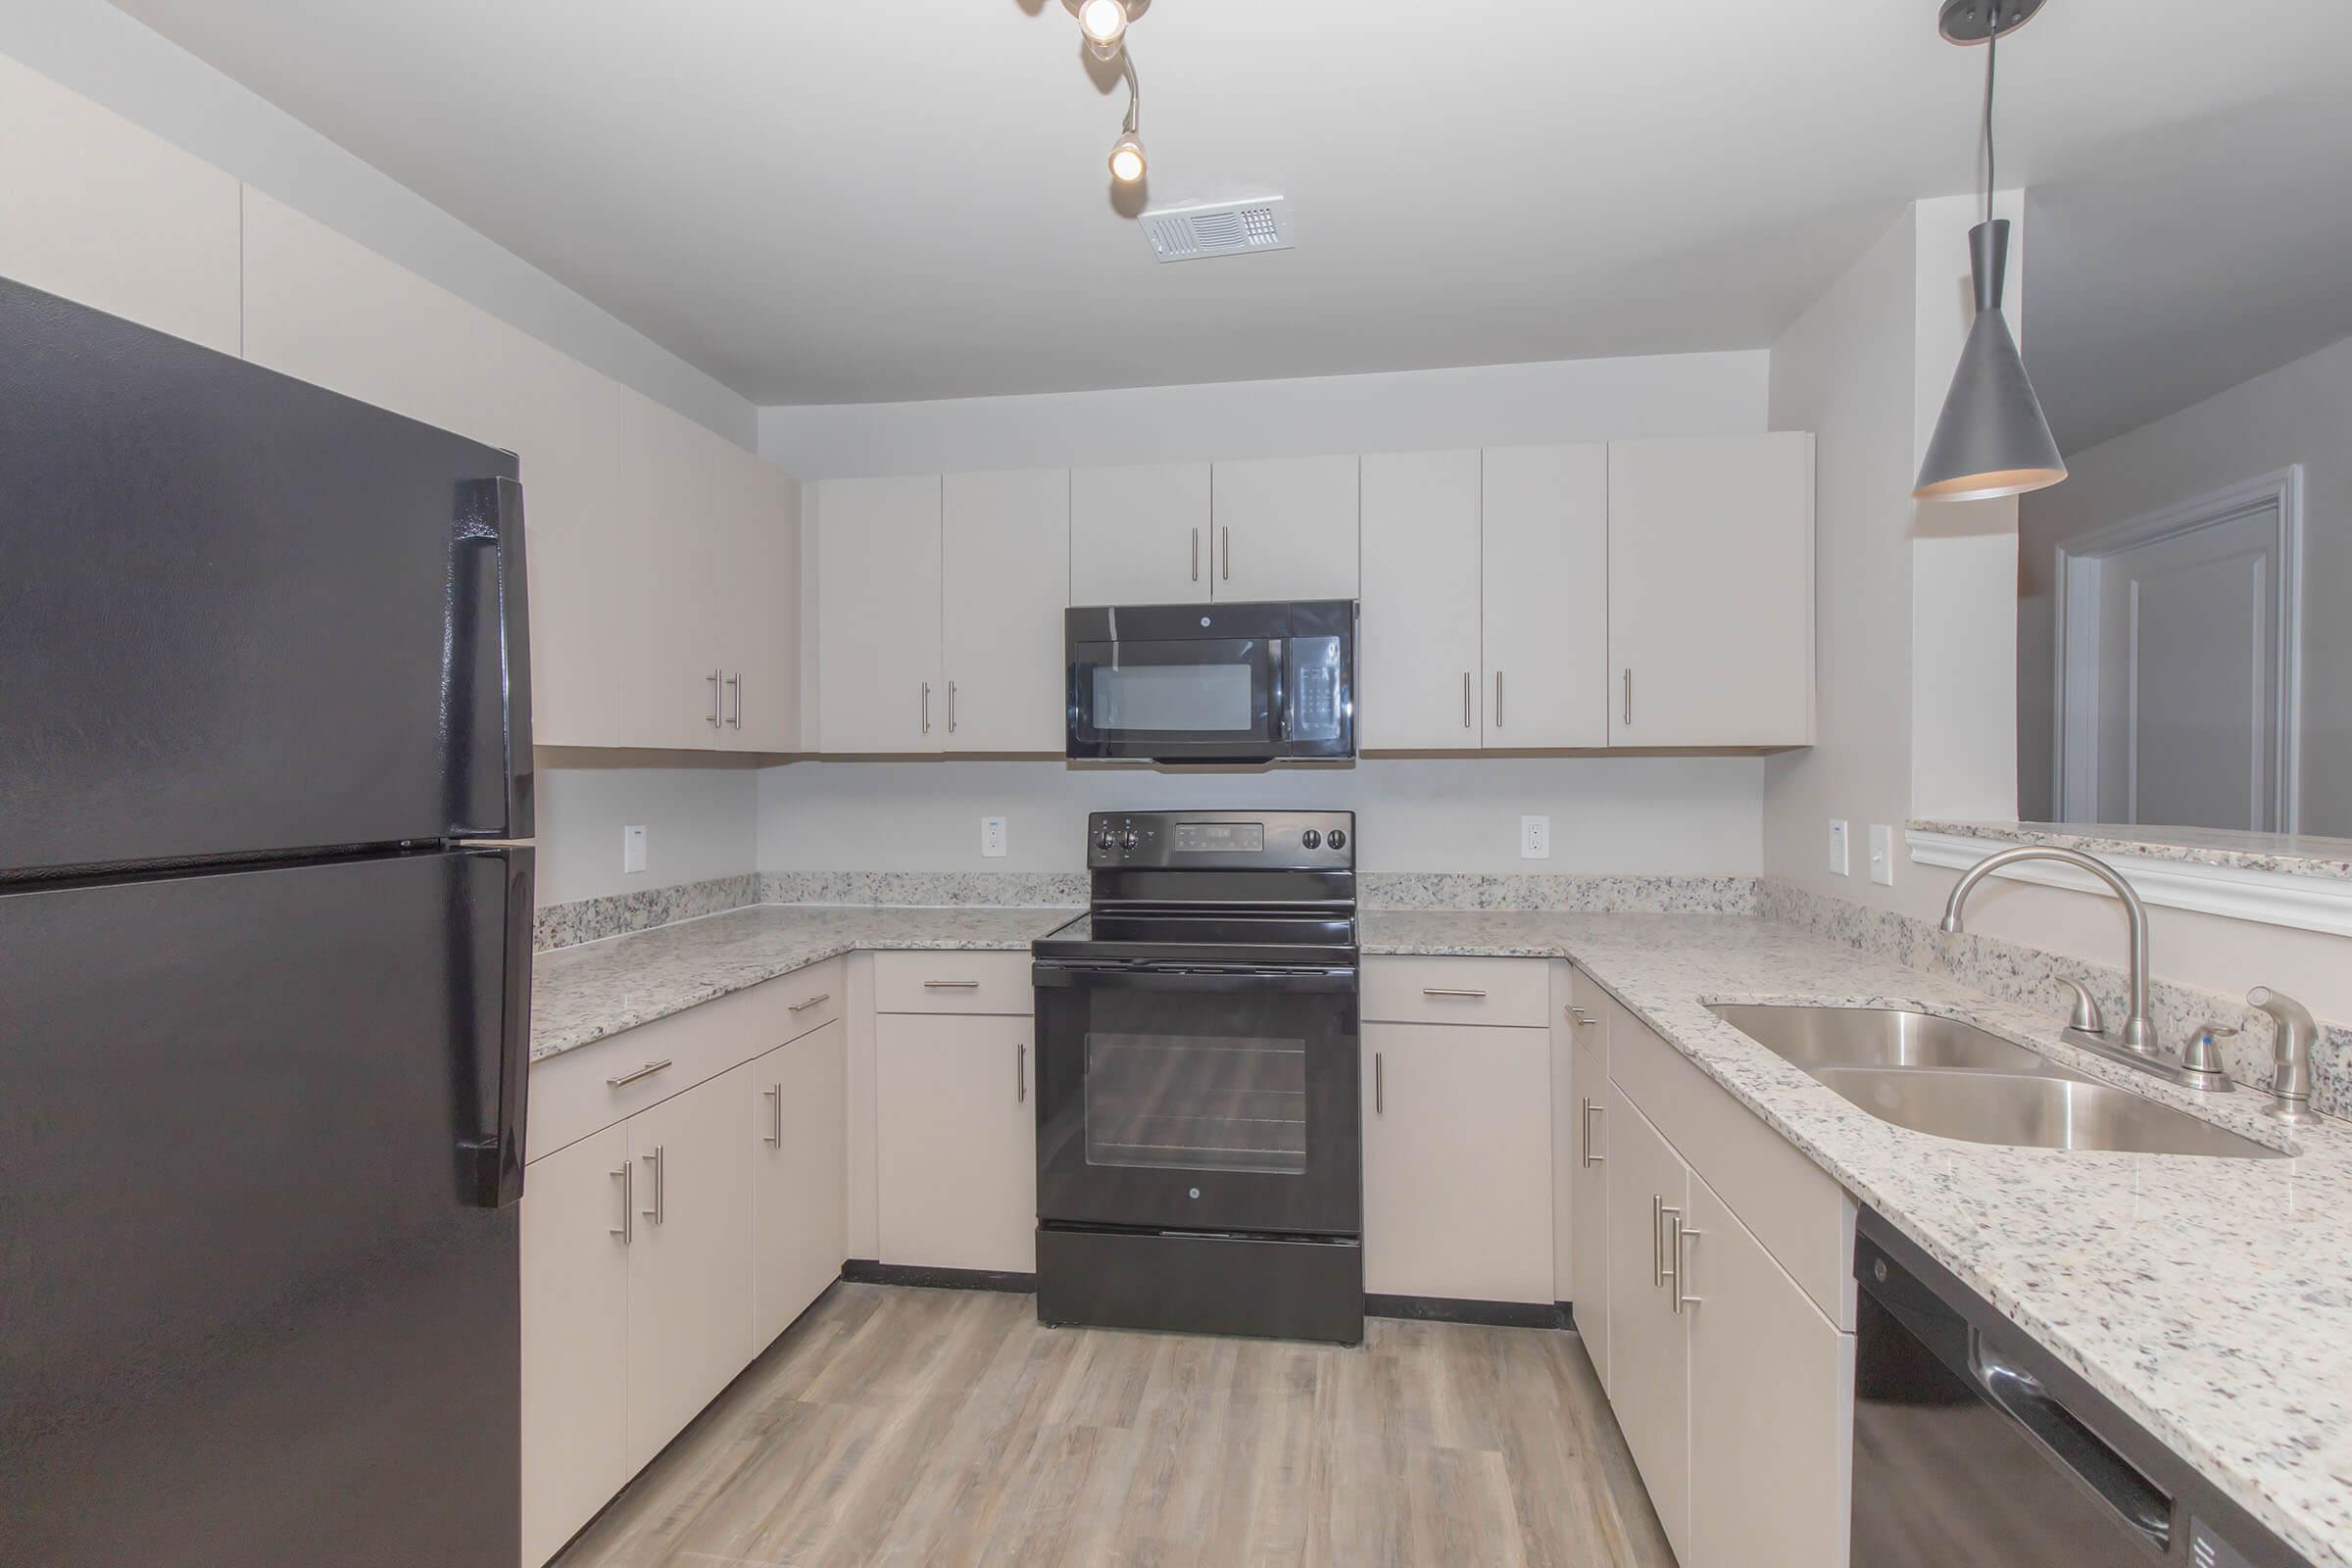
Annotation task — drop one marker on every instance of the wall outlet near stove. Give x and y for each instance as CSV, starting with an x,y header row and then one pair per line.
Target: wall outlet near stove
x,y
632,850
1535,838
992,838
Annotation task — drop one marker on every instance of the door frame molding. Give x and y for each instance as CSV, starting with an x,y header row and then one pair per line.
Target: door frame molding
x,y
2075,749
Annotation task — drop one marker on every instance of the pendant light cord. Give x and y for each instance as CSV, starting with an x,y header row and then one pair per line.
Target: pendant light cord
x,y
1135,94
1992,50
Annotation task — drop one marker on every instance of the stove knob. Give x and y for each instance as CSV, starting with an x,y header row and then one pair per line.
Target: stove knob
x,y
1104,840
1338,839
1311,839
1130,839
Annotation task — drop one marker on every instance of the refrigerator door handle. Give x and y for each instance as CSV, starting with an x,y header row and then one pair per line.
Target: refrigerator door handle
x,y
491,1161
490,662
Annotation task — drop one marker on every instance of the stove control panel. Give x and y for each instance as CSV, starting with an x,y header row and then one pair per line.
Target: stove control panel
x,y
1179,840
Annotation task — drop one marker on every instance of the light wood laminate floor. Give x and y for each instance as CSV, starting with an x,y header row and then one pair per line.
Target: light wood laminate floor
x,y
905,1427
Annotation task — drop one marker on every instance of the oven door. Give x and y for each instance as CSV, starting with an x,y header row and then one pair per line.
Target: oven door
x,y
1198,1100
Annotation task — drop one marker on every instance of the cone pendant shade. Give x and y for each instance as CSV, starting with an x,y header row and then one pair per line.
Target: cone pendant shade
x,y
1991,439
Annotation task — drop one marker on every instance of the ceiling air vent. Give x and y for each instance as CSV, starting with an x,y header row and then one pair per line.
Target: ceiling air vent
x,y
1226,228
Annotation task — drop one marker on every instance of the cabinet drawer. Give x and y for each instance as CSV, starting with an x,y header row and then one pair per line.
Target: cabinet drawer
x,y
1498,991
804,999
1803,1217
953,982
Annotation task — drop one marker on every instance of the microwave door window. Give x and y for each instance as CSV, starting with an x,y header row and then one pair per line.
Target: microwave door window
x,y
1174,699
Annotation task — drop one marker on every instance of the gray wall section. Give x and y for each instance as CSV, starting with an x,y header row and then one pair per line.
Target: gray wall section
x,y
2297,414
97,51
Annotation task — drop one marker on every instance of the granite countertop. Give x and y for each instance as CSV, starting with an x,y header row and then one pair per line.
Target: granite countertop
x,y
2211,1300
582,994
2289,854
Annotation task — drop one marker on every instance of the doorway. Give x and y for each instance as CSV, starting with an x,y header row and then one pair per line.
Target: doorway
x,y
2179,700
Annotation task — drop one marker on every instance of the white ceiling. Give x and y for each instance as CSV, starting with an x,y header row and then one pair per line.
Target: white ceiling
x,y
828,201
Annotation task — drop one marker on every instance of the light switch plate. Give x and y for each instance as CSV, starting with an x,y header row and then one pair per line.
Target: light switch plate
x,y
1882,854
632,850
1535,838
1842,860
992,838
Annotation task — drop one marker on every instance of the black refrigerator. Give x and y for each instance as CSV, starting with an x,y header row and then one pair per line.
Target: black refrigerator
x,y
263,1001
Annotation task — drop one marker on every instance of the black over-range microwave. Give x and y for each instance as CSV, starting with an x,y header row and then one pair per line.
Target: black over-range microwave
x,y
1212,683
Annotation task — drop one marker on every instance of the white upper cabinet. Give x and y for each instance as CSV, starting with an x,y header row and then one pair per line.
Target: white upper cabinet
x,y
1140,535
880,687
1711,591
1545,572
1006,548
1286,528
98,211
1419,656
756,536
671,492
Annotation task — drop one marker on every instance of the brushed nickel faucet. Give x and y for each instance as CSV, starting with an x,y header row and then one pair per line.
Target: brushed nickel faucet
x,y
2135,1043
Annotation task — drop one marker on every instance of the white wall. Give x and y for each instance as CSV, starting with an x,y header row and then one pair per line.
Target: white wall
x,y
1504,405
1659,815
701,817
2297,414
99,52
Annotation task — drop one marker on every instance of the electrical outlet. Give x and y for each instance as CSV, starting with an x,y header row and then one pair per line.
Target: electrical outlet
x,y
1842,860
632,850
1535,838
1882,855
991,837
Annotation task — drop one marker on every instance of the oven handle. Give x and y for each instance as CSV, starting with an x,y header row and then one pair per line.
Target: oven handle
x,y
1293,980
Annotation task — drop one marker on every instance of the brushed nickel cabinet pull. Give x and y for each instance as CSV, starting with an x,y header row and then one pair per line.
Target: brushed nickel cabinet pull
x,y
1682,1266
1498,698
1452,991
646,1071
950,985
803,1007
627,1230
713,679
777,1134
1584,1134
1668,1216
660,1161
1584,1019
1466,685
1195,555
1227,534
926,708
951,708
735,685
1380,1084
1020,1074
1629,697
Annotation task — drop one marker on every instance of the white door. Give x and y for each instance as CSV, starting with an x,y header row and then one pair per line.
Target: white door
x,y
1006,540
800,1176
2179,658
1772,1400
1711,591
1649,1363
1417,658
98,210
1139,534
1287,529
576,1235
878,616
1457,1161
690,1266
1545,572
955,1139
1587,1155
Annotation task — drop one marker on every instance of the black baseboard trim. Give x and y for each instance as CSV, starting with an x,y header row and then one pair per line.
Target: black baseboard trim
x,y
1488,1315
866,1271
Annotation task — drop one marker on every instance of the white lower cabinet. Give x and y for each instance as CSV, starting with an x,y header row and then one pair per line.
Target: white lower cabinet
x,y
1457,1161
1772,1386
689,1271
1649,1356
576,1339
955,1141
800,1176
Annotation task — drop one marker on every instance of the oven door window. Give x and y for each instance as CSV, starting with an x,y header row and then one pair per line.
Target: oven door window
x,y
1215,690
1181,1102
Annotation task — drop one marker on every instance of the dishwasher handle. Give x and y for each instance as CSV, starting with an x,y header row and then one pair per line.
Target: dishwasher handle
x,y
2021,1396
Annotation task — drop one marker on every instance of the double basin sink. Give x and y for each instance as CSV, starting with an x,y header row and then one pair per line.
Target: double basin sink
x,y
1941,1076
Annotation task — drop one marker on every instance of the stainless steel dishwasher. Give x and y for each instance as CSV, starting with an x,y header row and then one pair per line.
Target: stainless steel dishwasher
x,y
1974,1449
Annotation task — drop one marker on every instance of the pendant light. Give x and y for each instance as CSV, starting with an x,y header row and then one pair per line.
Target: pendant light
x,y
1991,438
1104,24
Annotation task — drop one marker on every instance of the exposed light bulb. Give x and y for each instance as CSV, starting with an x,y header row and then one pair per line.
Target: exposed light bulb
x,y
1127,163
1104,24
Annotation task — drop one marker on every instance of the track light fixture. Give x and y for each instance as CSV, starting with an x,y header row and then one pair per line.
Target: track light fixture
x,y
1104,24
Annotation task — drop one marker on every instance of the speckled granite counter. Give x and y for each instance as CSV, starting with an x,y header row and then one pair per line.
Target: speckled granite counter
x,y
2210,1299
584,994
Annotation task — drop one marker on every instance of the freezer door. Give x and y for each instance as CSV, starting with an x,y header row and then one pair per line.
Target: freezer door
x,y
240,616
261,1306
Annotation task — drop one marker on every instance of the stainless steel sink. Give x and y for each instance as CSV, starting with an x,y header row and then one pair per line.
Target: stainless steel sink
x,y
1940,1076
